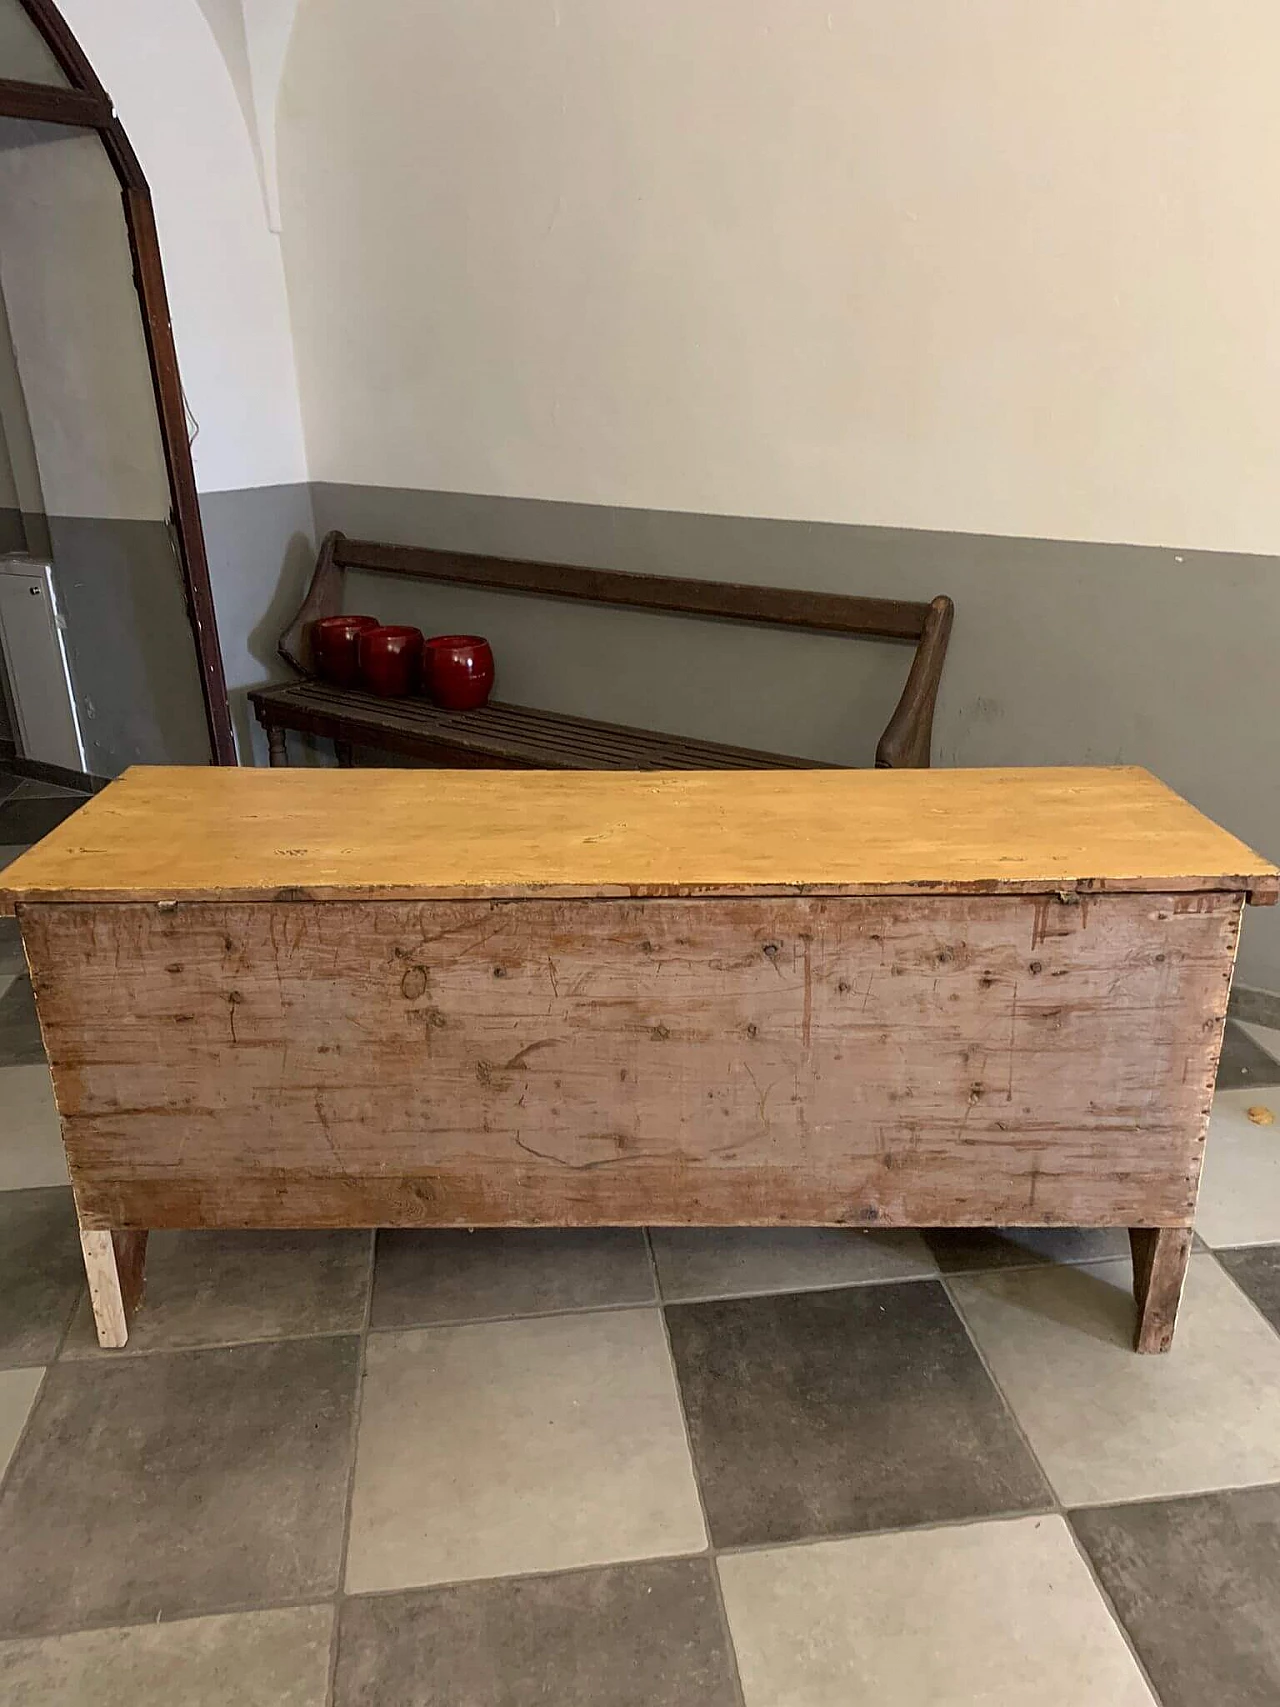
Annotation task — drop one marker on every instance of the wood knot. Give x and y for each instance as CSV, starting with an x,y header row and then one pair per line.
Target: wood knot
x,y
659,1033
414,983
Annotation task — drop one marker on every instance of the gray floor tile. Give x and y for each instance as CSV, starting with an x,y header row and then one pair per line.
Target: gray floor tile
x,y
971,1250
819,1413
31,1151
215,1288
9,783
41,1273
9,851
159,1487
28,820
504,1448
12,959
428,1277
1244,1062
252,1659
720,1262
20,1042
975,1615
1256,1268
645,1635
1197,1583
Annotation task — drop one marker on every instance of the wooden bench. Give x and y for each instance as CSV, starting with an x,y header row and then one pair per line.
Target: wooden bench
x,y
501,736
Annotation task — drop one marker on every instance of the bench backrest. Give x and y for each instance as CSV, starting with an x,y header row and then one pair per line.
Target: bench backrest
x,y
906,739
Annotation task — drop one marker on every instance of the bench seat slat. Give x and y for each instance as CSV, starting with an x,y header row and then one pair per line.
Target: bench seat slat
x,y
513,734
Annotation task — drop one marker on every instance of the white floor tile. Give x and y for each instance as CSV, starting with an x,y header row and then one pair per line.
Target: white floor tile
x,y
254,1659
969,1250
983,1615
18,1388
1108,1424
439,1275
507,1447
1240,1184
35,788
695,1262
1267,1037
31,1150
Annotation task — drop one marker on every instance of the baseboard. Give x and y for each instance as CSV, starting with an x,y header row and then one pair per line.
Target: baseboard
x,y
1255,1007
59,774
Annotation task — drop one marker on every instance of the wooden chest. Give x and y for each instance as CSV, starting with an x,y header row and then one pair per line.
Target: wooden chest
x,y
388,998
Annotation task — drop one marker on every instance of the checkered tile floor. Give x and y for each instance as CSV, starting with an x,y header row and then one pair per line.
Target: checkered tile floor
x,y
781,1469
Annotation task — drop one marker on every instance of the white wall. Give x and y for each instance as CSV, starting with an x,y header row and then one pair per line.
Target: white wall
x,y
77,337
968,265
160,63
24,54
20,449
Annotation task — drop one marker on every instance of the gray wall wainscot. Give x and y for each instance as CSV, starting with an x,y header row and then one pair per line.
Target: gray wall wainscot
x,y
261,543
129,648
1063,652
13,536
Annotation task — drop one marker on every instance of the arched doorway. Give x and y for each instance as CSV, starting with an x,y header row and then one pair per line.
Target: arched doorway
x,y
49,94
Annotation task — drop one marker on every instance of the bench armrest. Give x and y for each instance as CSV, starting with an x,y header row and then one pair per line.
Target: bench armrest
x,y
907,741
324,598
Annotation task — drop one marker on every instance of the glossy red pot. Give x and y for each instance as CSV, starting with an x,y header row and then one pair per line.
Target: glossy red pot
x,y
390,660
457,670
334,647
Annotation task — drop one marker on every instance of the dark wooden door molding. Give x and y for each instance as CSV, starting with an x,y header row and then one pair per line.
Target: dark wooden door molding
x,y
87,105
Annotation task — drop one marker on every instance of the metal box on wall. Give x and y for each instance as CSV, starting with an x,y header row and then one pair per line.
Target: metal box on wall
x,y
35,658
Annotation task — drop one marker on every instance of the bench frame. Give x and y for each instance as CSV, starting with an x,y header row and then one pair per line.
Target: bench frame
x,y
465,739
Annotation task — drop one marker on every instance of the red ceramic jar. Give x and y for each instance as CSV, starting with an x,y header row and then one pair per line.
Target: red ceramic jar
x,y
458,670
390,660
334,642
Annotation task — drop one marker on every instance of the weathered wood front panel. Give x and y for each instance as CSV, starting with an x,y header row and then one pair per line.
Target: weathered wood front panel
x,y
913,1060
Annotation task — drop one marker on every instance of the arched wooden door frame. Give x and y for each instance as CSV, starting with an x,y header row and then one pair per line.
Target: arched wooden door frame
x,y
87,105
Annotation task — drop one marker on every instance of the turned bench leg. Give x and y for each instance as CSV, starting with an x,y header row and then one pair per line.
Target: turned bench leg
x,y
1159,1268
342,752
113,1266
277,752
